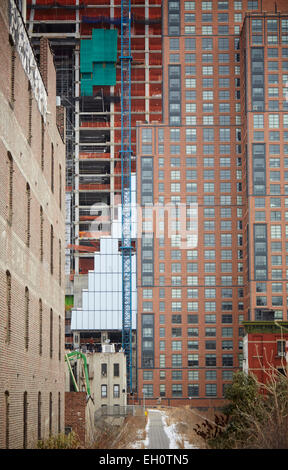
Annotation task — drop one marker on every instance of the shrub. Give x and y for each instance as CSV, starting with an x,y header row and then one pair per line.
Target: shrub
x,y
60,441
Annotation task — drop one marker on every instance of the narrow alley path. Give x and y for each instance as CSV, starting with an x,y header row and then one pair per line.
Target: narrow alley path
x,y
157,438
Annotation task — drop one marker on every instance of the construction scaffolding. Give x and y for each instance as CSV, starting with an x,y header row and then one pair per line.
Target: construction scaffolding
x,y
94,126
126,154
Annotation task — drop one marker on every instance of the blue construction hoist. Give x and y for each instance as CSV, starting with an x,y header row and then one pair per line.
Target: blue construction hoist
x,y
126,152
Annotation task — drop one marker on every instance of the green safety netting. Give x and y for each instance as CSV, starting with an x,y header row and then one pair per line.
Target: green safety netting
x,y
98,58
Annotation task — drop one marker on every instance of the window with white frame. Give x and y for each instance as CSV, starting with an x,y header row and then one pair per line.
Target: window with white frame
x,y
273,121
275,231
190,82
189,5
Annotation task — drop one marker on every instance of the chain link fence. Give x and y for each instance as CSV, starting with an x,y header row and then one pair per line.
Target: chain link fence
x,y
119,411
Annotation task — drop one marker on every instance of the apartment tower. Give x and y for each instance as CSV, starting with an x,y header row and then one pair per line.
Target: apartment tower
x,y
211,182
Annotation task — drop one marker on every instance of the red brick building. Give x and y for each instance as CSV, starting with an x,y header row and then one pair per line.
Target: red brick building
x,y
75,414
265,348
221,154
32,172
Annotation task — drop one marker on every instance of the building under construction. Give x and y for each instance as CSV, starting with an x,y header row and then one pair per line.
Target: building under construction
x,y
215,145
85,38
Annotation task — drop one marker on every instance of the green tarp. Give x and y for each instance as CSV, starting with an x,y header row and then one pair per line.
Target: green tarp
x,y
98,58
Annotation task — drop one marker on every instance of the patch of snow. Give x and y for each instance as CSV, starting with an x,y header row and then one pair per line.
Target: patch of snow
x,y
142,443
171,431
175,439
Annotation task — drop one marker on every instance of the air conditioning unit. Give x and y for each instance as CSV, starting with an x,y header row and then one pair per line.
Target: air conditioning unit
x,y
108,348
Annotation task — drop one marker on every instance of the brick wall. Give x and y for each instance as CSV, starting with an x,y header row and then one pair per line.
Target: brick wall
x,y
75,408
25,370
60,117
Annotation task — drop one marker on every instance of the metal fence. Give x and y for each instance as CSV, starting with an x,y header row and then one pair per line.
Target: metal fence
x,y
119,411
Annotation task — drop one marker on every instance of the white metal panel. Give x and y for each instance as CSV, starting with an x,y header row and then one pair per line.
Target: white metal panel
x,y
102,305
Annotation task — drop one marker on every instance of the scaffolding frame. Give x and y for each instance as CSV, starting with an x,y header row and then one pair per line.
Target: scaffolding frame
x,y
126,152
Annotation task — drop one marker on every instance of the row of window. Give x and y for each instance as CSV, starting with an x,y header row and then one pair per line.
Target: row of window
x,y
206,44
221,5
193,267
226,332
272,39
275,202
208,280
27,405
177,390
273,121
175,162
207,201
191,136
194,319
192,58
194,280
208,17
209,255
210,188
192,345
206,30
105,391
210,174
276,301
275,287
191,306
116,369
192,293
192,375
273,136
28,222
27,325
226,239
210,360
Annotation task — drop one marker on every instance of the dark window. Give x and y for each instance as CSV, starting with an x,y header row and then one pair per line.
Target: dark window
x,y
25,420
193,390
7,418
116,370
10,189
51,332
26,333
50,413
104,370
210,360
28,214
176,318
8,306
39,426
40,327
51,249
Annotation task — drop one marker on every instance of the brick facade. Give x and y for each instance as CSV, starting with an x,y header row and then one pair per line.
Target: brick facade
x,y
32,350
265,348
75,409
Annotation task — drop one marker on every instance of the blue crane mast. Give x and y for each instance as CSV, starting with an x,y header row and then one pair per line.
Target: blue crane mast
x,y
126,152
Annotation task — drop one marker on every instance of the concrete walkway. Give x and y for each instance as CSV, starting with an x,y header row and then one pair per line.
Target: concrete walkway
x,y
156,434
